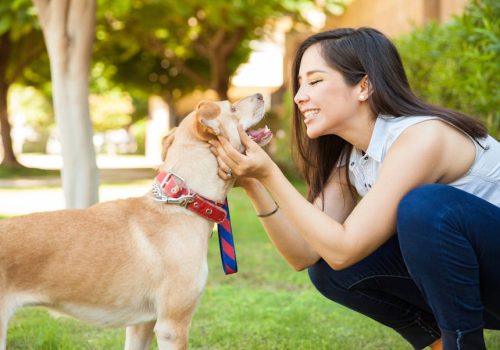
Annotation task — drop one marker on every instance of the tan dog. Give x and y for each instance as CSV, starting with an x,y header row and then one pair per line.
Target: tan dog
x,y
137,262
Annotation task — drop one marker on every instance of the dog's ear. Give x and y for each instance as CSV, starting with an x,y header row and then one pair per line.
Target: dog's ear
x,y
207,125
166,142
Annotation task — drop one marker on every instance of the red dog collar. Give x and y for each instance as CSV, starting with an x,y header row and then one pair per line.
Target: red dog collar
x,y
170,188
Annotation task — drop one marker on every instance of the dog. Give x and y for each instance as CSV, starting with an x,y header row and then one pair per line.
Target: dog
x,y
139,263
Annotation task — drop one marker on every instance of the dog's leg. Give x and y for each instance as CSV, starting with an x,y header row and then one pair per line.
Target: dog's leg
x,y
139,336
172,327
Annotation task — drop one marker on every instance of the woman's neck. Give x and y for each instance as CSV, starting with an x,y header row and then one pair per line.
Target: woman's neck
x,y
359,132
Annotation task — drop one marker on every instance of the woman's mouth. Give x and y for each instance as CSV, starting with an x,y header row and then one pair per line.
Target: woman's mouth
x,y
310,114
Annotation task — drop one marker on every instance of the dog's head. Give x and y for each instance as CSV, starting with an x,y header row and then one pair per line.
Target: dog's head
x,y
211,119
223,118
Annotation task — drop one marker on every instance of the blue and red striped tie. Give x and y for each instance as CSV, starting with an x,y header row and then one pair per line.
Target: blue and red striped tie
x,y
226,244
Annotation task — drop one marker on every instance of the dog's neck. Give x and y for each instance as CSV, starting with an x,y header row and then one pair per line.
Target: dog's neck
x,y
191,159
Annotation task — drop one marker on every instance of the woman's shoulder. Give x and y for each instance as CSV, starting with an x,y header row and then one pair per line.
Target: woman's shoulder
x,y
388,129
397,124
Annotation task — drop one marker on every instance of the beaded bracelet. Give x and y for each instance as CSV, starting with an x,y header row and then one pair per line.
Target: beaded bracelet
x,y
271,213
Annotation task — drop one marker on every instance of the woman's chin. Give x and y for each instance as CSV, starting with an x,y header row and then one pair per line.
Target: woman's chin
x,y
312,134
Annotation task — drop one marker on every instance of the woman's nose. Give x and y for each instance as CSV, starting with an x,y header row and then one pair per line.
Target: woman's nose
x,y
300,96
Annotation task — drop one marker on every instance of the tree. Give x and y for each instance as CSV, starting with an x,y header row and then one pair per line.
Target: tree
x,y
173,47
68,28
21,44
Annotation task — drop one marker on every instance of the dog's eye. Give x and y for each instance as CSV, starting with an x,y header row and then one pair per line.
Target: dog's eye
x,y
233,109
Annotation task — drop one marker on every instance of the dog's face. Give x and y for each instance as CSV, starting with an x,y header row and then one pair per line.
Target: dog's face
x,y
211,119
223,118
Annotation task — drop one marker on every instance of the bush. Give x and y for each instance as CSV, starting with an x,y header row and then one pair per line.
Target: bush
x,y
456,65
139,132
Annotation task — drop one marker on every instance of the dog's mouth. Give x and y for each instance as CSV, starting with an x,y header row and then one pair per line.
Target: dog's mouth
x,y
261,136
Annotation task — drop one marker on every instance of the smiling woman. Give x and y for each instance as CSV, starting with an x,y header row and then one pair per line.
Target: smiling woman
x,y
428,178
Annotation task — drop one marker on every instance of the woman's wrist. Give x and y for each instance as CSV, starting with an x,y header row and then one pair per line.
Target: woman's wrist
x,y
267,178
250,184
270,213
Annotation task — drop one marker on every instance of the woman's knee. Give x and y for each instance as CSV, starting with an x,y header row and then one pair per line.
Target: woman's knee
x,y
417,216
420,209
420,217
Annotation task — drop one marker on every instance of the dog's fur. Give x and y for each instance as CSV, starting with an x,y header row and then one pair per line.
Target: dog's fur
x,y
135,262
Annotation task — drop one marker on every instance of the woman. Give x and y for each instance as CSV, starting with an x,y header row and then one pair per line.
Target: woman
x,y
419,251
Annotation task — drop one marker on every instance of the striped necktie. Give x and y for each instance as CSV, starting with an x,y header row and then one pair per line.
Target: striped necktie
x,y
226,244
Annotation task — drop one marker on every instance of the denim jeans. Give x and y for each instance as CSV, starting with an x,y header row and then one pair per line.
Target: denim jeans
x,y
438,277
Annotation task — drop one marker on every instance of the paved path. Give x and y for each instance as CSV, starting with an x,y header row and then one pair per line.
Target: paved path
x,y
128,175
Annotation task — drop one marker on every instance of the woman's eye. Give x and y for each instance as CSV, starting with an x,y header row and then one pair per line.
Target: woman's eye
x,y
314,82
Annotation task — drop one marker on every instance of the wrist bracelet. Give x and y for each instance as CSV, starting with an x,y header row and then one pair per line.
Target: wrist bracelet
x,y
271,213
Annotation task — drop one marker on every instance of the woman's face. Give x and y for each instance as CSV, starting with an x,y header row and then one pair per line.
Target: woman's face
x,y
326,102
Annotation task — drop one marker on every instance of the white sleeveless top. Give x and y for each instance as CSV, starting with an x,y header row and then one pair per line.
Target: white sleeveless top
x,y
482,179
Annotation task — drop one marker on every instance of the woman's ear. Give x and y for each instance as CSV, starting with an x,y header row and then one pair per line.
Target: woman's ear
x,y
365,88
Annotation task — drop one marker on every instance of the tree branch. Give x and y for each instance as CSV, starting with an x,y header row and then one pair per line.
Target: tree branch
x,y
190,73
228,46
218,39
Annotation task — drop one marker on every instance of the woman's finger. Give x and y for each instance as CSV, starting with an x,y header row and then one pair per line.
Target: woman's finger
x,y
227,161
225,175
245,139
214,151
233,154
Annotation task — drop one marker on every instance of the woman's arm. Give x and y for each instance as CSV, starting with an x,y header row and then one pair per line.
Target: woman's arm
x,y
422,154
284,235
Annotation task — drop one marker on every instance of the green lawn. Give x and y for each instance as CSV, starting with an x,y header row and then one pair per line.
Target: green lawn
x,y
23,172
264,306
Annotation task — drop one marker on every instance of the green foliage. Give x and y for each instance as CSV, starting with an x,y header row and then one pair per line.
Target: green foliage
x,y
280,123
18,17
111,110
171,48
19,25
138,129
456,65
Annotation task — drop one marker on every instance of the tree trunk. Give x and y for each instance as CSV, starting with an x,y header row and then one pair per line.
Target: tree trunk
x,y
68,28
220,77
9,158
172,113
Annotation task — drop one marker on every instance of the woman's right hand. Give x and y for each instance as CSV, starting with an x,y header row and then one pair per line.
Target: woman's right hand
x,y
253,163
244,182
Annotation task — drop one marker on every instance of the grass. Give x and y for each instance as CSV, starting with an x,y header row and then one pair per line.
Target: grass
x,y
24,172
264,306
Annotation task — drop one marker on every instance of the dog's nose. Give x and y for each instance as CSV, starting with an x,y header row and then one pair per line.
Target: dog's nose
x,y
259,96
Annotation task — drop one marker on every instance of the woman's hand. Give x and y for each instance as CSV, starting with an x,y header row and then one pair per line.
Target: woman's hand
x,y
254,163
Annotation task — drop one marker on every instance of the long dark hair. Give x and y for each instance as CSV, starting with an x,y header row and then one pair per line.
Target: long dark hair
x,y
356,53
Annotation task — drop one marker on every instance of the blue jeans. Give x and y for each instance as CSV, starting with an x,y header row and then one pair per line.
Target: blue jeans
x,y
438,277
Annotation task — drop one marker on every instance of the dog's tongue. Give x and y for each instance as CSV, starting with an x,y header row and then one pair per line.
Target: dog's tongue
x,y
261,136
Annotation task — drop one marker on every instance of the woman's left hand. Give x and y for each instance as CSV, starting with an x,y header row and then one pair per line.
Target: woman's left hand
x,y
255,162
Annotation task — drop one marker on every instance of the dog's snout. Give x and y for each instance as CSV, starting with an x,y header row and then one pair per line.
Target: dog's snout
x,y
259,96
